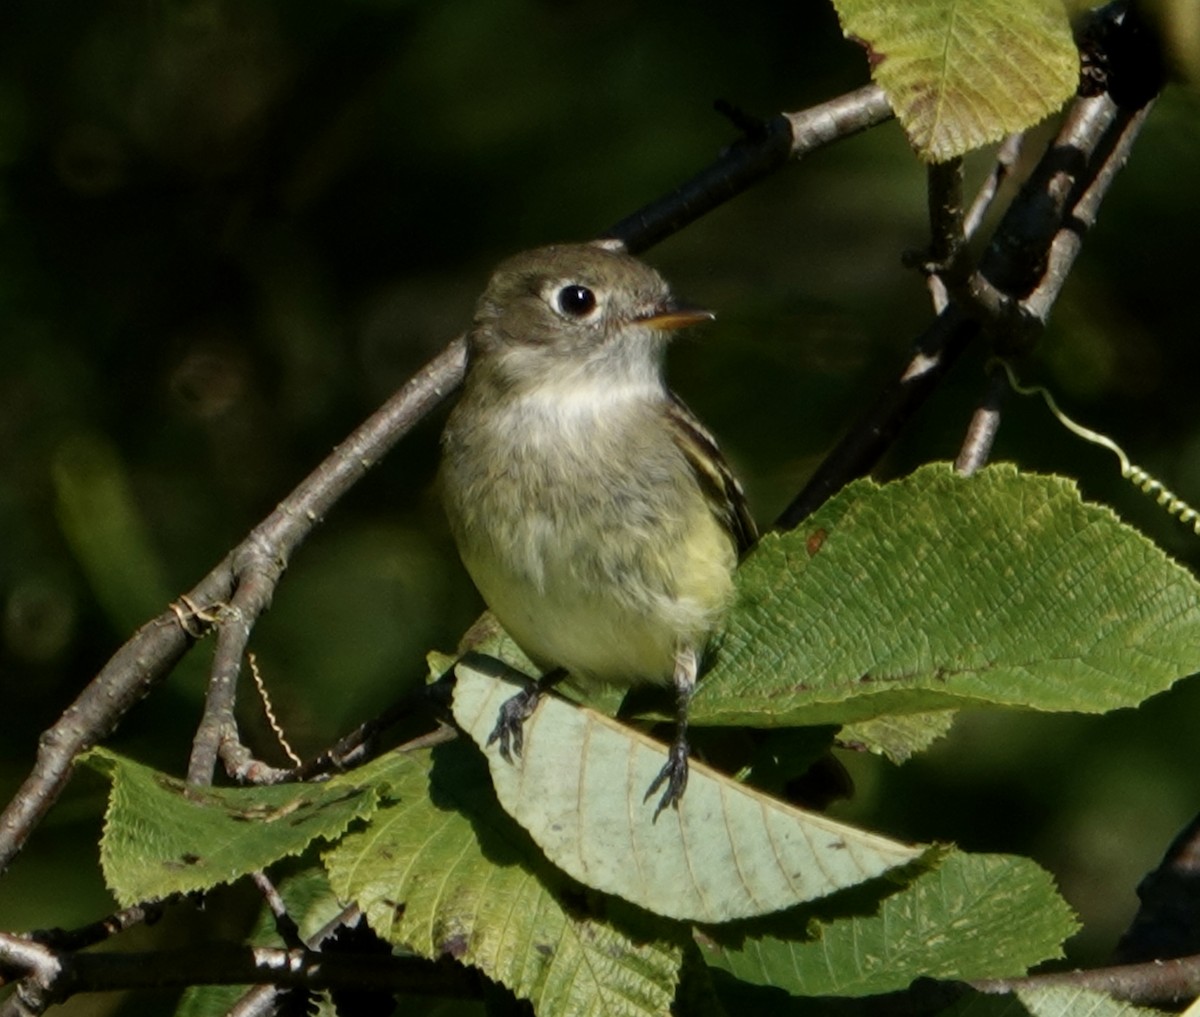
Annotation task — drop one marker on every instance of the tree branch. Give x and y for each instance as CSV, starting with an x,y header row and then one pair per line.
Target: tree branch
x,y
156,647
1020,277
152,652
1154,983
985,422
782,139
49,977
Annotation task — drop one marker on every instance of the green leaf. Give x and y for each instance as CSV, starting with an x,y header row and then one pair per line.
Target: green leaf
x,y
728,851
962,73
1046,1001
897,737
163,837
442,871
938,591
974,916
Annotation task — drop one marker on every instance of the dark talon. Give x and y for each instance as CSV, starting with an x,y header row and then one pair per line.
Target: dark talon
x,y
674,774
510,722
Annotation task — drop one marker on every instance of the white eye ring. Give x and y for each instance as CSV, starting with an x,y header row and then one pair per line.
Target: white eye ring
x,y
575,301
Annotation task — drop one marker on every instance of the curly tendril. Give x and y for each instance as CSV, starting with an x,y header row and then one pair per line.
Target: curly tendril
x,y
1143,481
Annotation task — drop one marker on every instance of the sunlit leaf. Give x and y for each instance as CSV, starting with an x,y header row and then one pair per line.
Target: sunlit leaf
x,y
163,837
726,852
962,73
973,916
937,591
442,871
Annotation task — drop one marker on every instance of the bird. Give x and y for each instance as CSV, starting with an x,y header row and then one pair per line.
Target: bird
x,y
596,516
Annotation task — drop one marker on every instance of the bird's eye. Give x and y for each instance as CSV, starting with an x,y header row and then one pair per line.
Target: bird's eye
x,y
575,301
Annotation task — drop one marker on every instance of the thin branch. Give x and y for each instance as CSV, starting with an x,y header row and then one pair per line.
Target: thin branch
x,y
1154,983
153,651
98,932
139,665
944,195
260,560
1020,277
40,969
781,139
262,1000
1113,151
858,451
1006,158
60,976
985,422
285,924
944,262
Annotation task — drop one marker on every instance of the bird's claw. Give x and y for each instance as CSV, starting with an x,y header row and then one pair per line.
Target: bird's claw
x,y
674,775
509,729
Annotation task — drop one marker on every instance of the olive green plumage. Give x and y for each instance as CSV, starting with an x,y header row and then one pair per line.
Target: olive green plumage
x,y
593,512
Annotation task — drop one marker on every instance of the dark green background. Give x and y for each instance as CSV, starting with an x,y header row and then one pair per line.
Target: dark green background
x,y
229,230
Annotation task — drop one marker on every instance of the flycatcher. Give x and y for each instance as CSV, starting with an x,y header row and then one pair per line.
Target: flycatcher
x,y
596,516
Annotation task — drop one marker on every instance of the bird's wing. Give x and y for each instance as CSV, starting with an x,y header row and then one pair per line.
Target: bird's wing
x,y
720,486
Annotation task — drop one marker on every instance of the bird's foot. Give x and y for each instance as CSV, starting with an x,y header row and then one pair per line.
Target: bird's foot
x,y
509,729
674,775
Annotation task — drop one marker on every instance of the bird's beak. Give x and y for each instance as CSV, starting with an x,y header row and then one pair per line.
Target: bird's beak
x,y
670,315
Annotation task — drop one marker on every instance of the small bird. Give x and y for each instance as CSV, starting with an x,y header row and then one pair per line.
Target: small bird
x,y
595,515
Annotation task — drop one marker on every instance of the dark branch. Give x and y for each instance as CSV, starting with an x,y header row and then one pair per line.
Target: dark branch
x,y
944,195
1019,279
1167,923
98,932
1006,158
937,351
783,138
50,977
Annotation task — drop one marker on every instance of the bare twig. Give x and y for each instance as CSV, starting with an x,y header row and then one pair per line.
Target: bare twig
x,y
262,1000
1111,151
133,671
985,422
157,646
943,263
937,350
1006,158
59,976
98,932
1154,983
285,924
40,970
944,195
783,138
154,650
261,558
1019,279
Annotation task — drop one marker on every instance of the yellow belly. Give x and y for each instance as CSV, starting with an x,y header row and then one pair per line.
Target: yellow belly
x,y
565,612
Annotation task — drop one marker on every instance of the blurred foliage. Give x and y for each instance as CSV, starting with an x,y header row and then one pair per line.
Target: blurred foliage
x,y
229,230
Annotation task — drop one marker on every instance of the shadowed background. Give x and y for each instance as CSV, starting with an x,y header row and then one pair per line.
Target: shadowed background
x,y
229,231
